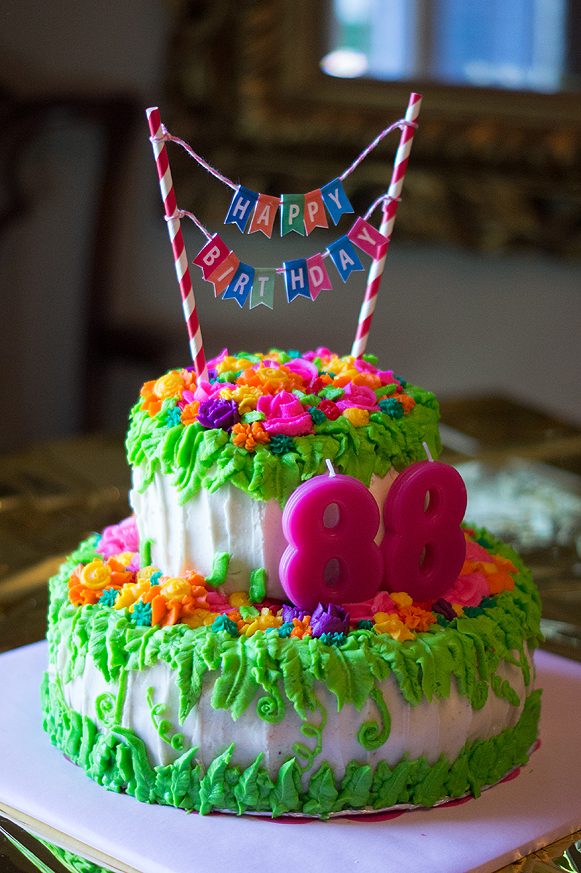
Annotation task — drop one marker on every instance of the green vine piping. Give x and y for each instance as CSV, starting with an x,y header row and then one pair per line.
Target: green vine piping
x,y
369,735
116,758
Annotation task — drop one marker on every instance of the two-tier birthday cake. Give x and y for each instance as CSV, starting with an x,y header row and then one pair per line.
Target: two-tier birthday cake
x,y
249,642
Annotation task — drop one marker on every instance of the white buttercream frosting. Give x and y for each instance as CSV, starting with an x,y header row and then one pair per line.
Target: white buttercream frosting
x,y
228,520
430,728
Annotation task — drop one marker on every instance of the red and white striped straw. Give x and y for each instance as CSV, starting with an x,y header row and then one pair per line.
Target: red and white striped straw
x,y
386,228
177,243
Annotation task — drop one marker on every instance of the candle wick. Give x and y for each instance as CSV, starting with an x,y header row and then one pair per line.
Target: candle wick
x,y
427,451
330,467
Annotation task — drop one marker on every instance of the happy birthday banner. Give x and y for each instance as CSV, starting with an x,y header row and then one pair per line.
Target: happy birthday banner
x,y
299,213
303,277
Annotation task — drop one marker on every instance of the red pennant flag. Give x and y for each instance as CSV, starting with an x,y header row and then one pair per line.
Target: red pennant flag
x,y
223,275
315,215
264,214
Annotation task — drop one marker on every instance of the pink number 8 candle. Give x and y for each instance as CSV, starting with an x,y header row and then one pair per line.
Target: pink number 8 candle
x,y
330,523
424,546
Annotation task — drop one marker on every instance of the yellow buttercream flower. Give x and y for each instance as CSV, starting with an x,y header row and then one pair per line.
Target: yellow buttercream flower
x,y
238,599
389,623
170,385
175,588
263,621
130,594
231,364
402,598
357,417
146,572
199,618
96,575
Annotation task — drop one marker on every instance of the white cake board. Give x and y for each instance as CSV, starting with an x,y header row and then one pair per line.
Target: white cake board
x,y
43,791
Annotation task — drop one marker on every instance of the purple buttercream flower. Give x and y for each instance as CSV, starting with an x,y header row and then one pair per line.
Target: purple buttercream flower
x,y
290,612
218,413
329,618
445,608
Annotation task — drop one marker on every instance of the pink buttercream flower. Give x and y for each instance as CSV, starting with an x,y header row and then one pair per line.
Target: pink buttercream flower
x,y
359,396
208,391
306,369
476,552
321,352
365,610
468,589
122,537
386,376
284,414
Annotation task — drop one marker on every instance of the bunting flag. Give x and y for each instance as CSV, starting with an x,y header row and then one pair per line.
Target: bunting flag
x,y
241,285
318,276
292,211
335,200
344,257
264,214
296,279
212,255
303,277
224,273
314,211
241,206
263,287
367,237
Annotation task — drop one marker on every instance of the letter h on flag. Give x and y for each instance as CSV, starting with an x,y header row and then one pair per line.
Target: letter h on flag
x,y
296,279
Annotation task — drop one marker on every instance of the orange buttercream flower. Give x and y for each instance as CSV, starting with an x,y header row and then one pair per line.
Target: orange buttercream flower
x,y
406,401
370,380
190,412
416,618
302,627
248,436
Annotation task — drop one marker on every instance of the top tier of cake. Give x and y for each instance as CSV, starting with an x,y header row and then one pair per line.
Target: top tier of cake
x,y
214,463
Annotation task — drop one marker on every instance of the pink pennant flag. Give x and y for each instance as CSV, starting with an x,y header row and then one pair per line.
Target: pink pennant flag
x,y
264,214
318,276
367,238
223,274
212,255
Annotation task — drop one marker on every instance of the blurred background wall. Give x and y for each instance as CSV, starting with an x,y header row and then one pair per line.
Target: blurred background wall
x,y
89,304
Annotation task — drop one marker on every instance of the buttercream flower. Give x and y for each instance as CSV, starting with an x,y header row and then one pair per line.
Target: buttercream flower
x,y
392,407
357,417
289,613
407,402
359,396
208,391
284,413
305,369
365,610
468,589
248,436
416,618
329,618
190,413
392,625
330,408
122,537
218,413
